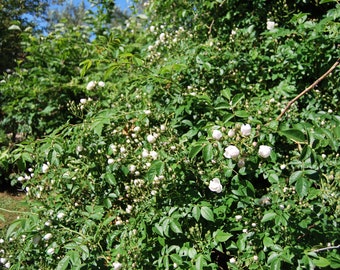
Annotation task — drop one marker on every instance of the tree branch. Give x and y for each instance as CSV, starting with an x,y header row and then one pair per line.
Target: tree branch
x,y
308,88
326,248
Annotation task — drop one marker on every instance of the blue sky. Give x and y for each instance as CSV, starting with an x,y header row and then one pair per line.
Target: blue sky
x,y
122,4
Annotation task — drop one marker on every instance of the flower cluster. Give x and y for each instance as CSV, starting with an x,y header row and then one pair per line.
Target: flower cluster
x,y
92,85
242,135
164,40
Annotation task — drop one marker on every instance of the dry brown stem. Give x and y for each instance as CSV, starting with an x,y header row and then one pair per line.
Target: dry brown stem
x,y
308,89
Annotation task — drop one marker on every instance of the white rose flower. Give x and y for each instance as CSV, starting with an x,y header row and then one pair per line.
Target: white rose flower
x,y
110,161
48,223
264,151
231,152
245,130
47,236
132,168
83,100
44,168
101,84
7,265
238,217
217,135
162,37
232,260
91,85
50,251
152,29
128,209
117,266
270,25
150,138
215,185
60,215
231,133
3,260
153,155
145,153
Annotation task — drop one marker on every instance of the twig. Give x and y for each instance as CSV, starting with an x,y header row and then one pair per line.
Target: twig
x,y
308,88
326,248
210,27
17,212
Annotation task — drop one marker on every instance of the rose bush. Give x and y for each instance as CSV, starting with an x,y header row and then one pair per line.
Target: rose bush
x,y
178,160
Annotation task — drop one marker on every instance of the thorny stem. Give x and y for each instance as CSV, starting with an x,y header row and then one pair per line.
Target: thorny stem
x,y
308,88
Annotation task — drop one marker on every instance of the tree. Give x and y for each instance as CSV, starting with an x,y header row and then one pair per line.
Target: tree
x,y
20,13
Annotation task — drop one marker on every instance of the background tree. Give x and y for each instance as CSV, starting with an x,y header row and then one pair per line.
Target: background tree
x,y
22,14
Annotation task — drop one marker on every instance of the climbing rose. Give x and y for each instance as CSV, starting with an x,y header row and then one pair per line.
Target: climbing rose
x,y
117,266
91,85
264,151
217,135
101,84
270,25
245,130
231,152
215,185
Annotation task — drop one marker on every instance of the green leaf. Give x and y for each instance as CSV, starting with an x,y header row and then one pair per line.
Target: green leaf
x,y
236,99
302,187
267,241
242,114
156,168
208,152
321,262
176,259
226,93
195,149
293,134
207,213
295,176
63,263
107,203
196,212
268,216
221,236
200,262
192,252
175,226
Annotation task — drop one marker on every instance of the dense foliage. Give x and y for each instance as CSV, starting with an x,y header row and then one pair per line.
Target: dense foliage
x,y
157,145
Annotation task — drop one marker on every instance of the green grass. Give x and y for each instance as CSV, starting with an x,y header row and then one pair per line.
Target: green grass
x,y
11,206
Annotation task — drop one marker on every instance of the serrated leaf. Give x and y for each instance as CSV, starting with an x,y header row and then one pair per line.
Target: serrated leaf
x,y
158,229
321,262
242,114
222,236
268,216
226,93
236,99
175,226
107,203
176,259
302,187
207,213
208,152
63,263
195,149
267,241
156,168
200,262
295,176
196,212
293,134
